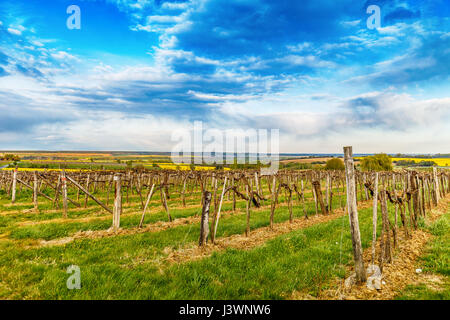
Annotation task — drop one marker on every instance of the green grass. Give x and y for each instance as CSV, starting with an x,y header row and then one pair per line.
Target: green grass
x,y
130,267
134,266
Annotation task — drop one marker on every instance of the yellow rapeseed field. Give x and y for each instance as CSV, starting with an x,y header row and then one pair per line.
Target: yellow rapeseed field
x,y
44,169
171,166
442,162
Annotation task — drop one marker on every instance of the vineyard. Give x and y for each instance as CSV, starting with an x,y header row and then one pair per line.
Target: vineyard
x,y
213,234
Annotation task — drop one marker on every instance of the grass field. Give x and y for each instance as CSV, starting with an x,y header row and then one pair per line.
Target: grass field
x,y
434,283
137,265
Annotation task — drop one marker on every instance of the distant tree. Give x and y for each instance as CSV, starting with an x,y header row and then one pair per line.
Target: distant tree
x,y
335,164
10,157
378,162
412,163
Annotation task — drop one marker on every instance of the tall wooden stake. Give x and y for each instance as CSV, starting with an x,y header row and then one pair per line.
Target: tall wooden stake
x,y
117,203
375,218
204,224
353,215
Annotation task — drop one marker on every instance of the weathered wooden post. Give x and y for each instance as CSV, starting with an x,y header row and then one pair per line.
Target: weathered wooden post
x,y
436,185
385,243
164,200
234,194
204,224
87,188
183,195
247,209
353,215
415,197
318,191
64,189
147,202
374,218
14,185
117,203
35,190
303,201
220,208
273,202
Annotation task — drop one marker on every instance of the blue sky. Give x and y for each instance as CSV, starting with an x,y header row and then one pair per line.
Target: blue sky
x,y
139,69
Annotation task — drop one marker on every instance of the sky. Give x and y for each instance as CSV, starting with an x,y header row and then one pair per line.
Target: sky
x,y
138,70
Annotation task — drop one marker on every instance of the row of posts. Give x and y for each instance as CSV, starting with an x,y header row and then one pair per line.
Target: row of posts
x,y
117,210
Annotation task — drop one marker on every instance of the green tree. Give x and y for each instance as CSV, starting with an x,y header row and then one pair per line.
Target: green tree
x,y
10,157
378,162
335,164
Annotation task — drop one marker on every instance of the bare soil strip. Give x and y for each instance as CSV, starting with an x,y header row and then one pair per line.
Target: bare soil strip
x,y
397,274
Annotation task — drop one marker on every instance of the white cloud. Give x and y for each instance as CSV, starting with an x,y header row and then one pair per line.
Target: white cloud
x,y
353,23
14,31
62,55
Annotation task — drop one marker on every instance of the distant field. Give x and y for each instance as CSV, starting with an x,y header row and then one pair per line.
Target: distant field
x,y
442,162
306,160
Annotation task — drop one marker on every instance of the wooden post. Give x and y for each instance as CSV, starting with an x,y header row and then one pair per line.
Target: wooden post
x,y
117,203
35,190
396,213
64,190
273,204
313,190
87,189
146,205
330,205
89,194
204,224
386,253
353,215
164,200
220,208
183,196
375,218
327,192
247,208
291,216
14,184
415,197
316,185
436,185
234,194
303,201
